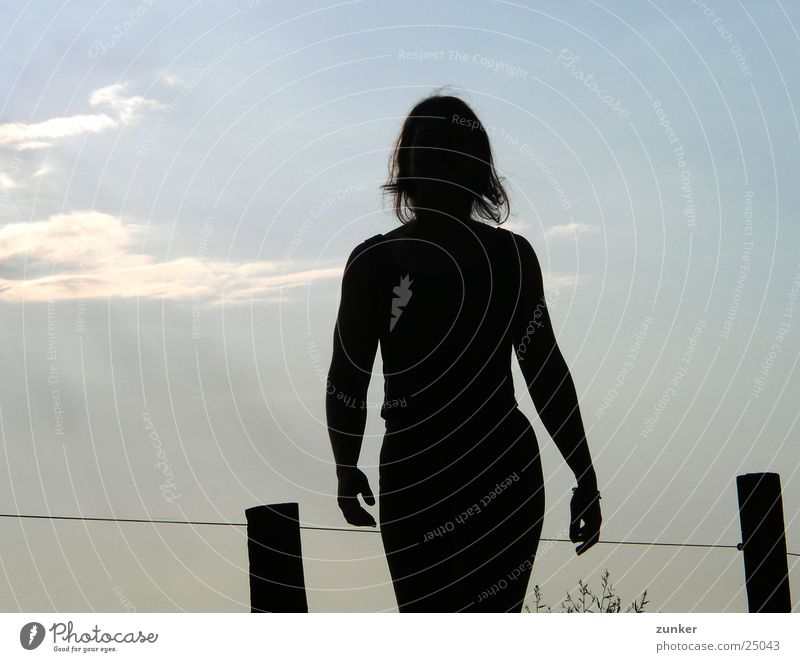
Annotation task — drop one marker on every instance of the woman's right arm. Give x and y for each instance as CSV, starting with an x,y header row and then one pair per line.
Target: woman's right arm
x,y
550,384
546,373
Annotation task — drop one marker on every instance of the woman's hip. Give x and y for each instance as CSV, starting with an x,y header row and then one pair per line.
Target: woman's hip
x,y
485,447
427,478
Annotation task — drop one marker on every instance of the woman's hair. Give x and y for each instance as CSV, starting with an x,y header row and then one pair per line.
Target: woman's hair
x,y
462,136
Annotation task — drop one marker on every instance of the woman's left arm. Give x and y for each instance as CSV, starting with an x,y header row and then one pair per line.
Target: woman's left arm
x,y
355,343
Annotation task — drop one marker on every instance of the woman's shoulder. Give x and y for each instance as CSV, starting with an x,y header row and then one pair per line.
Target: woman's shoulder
x,y
383,238
503,240
517,254
510,244
515,240
360,263
364,246
507,233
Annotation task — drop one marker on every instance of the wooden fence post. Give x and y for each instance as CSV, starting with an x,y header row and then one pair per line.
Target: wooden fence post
x,y
277,583
763,542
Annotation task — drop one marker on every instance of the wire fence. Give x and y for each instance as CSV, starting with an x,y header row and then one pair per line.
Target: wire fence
x,y
306,527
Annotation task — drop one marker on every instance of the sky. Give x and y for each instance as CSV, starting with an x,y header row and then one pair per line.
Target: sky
x,y
181,183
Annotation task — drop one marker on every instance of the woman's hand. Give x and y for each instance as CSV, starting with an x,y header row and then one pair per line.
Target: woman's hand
x,y
352,482
584,505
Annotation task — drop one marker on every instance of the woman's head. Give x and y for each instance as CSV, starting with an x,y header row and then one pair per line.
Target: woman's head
x,y
442,160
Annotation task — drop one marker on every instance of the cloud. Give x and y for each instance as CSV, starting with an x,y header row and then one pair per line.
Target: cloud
x,y
39,135
516,226
33,144
107,267
172,80
565,280
571,229
62,239
33,136
6,181
127,108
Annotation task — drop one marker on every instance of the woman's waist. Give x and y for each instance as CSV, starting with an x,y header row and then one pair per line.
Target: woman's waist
x,y
436,405
426,454
483,433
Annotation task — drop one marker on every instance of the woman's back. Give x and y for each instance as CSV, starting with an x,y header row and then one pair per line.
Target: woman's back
x,y
445,297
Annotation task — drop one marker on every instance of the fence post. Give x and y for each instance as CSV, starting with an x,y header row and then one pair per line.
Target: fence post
x,y
277,583
763,542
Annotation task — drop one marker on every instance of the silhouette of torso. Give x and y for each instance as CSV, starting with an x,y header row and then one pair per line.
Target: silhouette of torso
x,y
461,486
445,299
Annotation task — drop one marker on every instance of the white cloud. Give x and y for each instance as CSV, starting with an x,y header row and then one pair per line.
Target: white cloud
x,y
172,80
126,107
571,229
113,98
106,266
31,135
33,144
565,280
64,239
6,181
516,226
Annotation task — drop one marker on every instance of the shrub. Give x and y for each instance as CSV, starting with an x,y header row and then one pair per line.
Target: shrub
x,y
586,601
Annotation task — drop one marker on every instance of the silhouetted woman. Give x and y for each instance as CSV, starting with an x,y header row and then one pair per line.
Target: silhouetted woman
x,y
449,297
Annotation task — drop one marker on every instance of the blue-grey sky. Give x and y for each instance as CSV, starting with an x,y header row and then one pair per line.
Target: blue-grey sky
x,y
180,184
